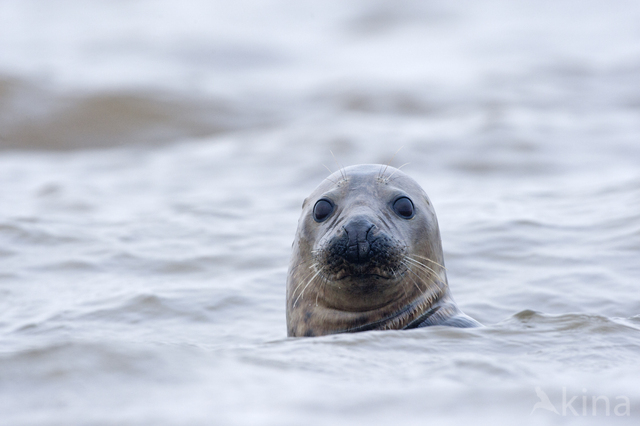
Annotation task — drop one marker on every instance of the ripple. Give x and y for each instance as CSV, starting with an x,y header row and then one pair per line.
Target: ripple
x,y
145,307
46,364
587,323
34,233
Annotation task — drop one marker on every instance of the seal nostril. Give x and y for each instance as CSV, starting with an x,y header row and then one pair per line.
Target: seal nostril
x,y
358,245
369,236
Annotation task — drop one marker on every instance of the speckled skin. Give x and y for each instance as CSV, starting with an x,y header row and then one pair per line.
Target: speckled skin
x,y
403,286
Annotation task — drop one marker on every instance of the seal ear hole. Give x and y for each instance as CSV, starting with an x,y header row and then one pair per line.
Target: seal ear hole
x,y
403,207
322,210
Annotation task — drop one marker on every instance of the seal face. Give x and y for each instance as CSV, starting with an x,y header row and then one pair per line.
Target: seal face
x,y
367,255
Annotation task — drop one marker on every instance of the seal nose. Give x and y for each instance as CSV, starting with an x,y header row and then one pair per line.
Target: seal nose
x,y
358,234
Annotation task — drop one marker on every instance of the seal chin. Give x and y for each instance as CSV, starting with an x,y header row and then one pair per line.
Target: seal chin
x,y
376,296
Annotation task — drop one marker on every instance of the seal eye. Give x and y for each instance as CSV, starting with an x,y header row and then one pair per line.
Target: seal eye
x,y
322,210
403,207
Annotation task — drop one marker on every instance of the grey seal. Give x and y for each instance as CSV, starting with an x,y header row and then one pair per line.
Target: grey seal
x,y
367,255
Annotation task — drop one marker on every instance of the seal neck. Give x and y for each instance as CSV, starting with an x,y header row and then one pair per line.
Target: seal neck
x,y
408,317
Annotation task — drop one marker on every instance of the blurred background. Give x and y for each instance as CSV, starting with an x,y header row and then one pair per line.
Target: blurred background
x,y
112,73
154,156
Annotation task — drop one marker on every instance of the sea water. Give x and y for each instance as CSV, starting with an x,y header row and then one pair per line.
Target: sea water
x,y
155,156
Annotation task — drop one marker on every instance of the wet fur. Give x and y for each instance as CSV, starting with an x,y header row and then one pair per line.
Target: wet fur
x,y
402,284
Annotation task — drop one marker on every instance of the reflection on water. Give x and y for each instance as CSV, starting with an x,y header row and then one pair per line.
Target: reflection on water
x,y
154,157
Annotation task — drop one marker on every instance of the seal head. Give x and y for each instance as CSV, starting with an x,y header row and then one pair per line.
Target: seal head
x,y
367,256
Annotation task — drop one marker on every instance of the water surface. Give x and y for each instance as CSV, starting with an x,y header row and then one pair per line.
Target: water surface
x,y
155,156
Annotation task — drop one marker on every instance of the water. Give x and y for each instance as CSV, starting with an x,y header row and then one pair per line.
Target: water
x,y
155,156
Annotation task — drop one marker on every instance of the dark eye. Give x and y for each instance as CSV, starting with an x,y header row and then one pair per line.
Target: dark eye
x,y
322,210
403,207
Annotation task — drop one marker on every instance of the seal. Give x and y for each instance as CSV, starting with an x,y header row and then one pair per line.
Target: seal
x,y
368,256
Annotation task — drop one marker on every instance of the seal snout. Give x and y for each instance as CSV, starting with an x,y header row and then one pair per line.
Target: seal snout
x,y
359,237
360,250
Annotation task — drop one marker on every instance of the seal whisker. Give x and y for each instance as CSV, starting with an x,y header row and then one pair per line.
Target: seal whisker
x,y
293,268
322,284
302,281
307,285
430,296
417,283
332,181
421,264
305,278
424,268
388,163
408,269
342,171
434,279
432,261
398,169
330,173
412,280
404,288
